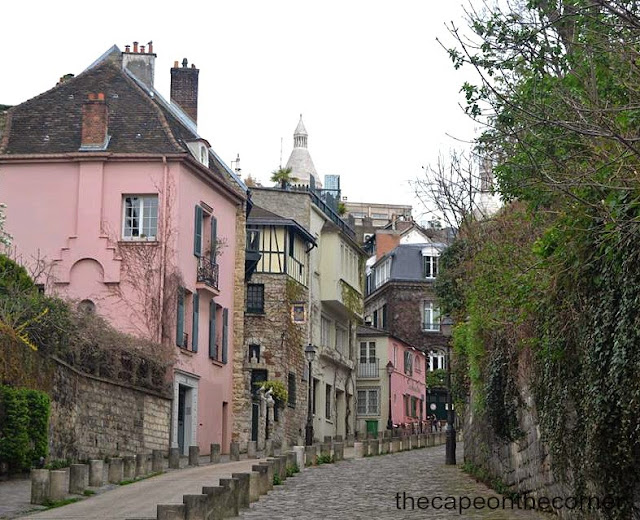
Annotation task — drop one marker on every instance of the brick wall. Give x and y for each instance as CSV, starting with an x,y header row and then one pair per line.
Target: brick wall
x,y
92,417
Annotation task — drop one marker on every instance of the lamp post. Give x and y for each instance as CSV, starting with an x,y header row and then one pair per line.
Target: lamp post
x,y
390,369
450,430
310,354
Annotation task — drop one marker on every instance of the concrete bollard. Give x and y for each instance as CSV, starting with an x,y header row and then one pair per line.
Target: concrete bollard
x,y
310,458
359,450
195,506
142,464
263,478
283,466
374,447
292,459
194,455
115,470
254,486
325,449
396,445
40,484
171,512
268,448
157,461
270,465
276,467
78,478
414,442
243,489
327,439
214,454
234,451
338,451
252,450
338,438
350,440
384,446
365,447
128,467
174,458
299,451
96,473
58,485
230,498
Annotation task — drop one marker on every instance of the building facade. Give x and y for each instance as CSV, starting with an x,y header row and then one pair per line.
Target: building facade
x,y
391,380
128,211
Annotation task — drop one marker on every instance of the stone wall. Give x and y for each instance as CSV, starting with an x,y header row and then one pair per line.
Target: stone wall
x,y
92,417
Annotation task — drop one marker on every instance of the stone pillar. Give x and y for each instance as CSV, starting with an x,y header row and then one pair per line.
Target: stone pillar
x,y
374,447
234,451
299,451
359,450
268,448
141,464
40,484
310,456
96,474
78,478
214,454
115,470
174,458
58,485
157,461
128,467
252,449
338,451
194,455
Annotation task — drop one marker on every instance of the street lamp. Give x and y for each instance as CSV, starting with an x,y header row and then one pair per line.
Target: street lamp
x,y
446,325
310,354
390,369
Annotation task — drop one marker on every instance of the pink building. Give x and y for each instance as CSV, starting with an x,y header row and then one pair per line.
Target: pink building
x,y
130,212
404,377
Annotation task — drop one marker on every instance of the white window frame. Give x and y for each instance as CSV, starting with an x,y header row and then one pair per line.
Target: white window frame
x,y
369,352
325,331
141,216
369,410
430,267
433,324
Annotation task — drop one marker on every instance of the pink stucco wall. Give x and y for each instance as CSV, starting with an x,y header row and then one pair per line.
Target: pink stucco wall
x,y
405,384
69,214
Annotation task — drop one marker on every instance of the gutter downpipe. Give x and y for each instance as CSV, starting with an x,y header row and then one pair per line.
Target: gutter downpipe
x,y
163,249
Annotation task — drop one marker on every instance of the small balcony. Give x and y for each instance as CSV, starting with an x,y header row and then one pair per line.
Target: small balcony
x,y
369,370
208,273
252,252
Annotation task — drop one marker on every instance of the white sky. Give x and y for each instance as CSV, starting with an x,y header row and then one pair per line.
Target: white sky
x,y
377,93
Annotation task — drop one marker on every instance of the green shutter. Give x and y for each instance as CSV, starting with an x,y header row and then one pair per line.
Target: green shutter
x,y
194,327
225,334
197,232
213,351
214,238
180,318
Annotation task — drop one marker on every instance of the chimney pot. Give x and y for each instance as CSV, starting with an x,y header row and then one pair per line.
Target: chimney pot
x,y
193,65
184,62
127,48
142,49
175,64
135,47
150,47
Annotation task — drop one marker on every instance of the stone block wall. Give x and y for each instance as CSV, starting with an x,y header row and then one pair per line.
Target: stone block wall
x,y
93,418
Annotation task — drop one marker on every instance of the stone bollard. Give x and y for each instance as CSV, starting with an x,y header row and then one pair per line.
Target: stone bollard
x,y
128,467
292,460
115,471
338,438
196,506
231,498
174,458
142,460
96,473
270,465
157,461
327,439
414,442
384,446
310,456
40,484
430,439
171,512
325,449
374,447
338,451
396,445
252,449
243,489
263,477
78,478
58,485
283,466
254,486
365,447
299,451
350,440
268,448
194,455
275,464
234,451
214,454
359,450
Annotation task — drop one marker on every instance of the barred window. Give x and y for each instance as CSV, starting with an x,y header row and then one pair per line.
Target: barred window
x,y
255,298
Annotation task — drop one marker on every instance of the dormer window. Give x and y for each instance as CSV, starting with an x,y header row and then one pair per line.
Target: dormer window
x,y
204,155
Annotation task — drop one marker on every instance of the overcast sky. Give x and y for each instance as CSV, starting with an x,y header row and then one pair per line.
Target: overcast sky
x,y
377,93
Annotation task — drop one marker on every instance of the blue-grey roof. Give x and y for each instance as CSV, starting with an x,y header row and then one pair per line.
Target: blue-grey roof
x,y
407,260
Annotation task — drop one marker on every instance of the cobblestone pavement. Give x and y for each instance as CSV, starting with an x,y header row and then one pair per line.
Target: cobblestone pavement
x,y
366,488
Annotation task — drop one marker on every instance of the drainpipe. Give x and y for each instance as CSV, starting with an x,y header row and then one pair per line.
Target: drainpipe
x,y
163,247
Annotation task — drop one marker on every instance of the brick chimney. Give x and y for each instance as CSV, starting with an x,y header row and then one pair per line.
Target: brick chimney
x,y
141,62
95,122
184,88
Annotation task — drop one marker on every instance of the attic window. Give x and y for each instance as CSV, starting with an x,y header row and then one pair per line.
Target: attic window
x,y
204,155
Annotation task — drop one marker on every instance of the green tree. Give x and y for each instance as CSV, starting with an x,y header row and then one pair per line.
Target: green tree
x,y
283,177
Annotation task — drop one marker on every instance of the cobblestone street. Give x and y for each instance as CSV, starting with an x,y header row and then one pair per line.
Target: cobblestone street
x,y
366,488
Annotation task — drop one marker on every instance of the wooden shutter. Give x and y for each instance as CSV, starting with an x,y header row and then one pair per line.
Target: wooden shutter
x,y
194,326
214,239
180,318
225,334
197,232
213,350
